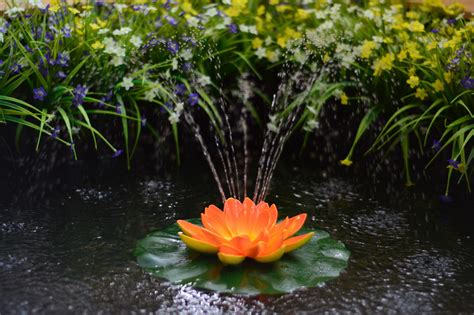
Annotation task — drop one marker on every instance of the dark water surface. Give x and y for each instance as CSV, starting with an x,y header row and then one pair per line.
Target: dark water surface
x,y
75,255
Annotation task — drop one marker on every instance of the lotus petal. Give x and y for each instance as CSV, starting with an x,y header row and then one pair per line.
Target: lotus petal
x,y
297,241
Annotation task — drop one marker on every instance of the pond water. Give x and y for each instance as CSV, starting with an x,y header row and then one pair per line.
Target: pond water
x,y
75,253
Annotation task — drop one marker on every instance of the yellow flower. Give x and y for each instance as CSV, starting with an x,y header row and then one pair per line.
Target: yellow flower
x,y
94,26
402,55
453,42
73,10
257,43
432,45
97,45
302,14
233,11
346,162
413,15
274,2
283,8
416,27
438,85
344,99
261,10
421,93
414,81
448,77
384,63
367,47
326,58
101,23
281,41
412,49
188,7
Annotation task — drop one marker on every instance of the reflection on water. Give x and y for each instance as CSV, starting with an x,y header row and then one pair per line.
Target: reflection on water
x,y
76,253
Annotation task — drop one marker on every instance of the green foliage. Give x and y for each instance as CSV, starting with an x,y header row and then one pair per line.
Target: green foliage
x,y
70,71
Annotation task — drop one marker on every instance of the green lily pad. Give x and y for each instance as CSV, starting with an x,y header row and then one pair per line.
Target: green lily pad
x,y
164,255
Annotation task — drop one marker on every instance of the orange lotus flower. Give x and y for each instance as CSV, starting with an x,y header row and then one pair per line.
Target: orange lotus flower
x,y
244,230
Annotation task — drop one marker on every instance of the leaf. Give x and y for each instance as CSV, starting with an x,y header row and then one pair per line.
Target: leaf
x,y
164,255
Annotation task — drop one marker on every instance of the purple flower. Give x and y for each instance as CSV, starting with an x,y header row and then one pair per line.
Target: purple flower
x,y
171,20
435,31
117,153
436,145
180,89
144,121
80,93
55,132
66,30
15,68
49,36
61,75
193,99
168,105
45,9
63,59
468,82
232,28
451,21
39,94
48,58
172,46
118,110
446,199
187,66
453,163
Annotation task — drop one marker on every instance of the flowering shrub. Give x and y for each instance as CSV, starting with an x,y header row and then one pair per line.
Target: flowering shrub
x,y
63,66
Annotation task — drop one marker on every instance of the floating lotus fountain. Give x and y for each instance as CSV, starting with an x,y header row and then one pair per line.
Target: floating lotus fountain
x,y
256,253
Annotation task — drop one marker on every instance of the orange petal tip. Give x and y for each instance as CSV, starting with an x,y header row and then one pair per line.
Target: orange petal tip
x,y
297,241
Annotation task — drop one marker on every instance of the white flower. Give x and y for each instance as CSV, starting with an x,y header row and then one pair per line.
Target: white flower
x,y
272,125
136,41
103,31
300,56
192,21
369,14
377,39
174,64
261,52
151,94
321,14
120,7
186,54
179,107
211,12
122,31
37,3
127,83
268,41
13,12
252,29
174,118
311,125
204,80
117,61
113,48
